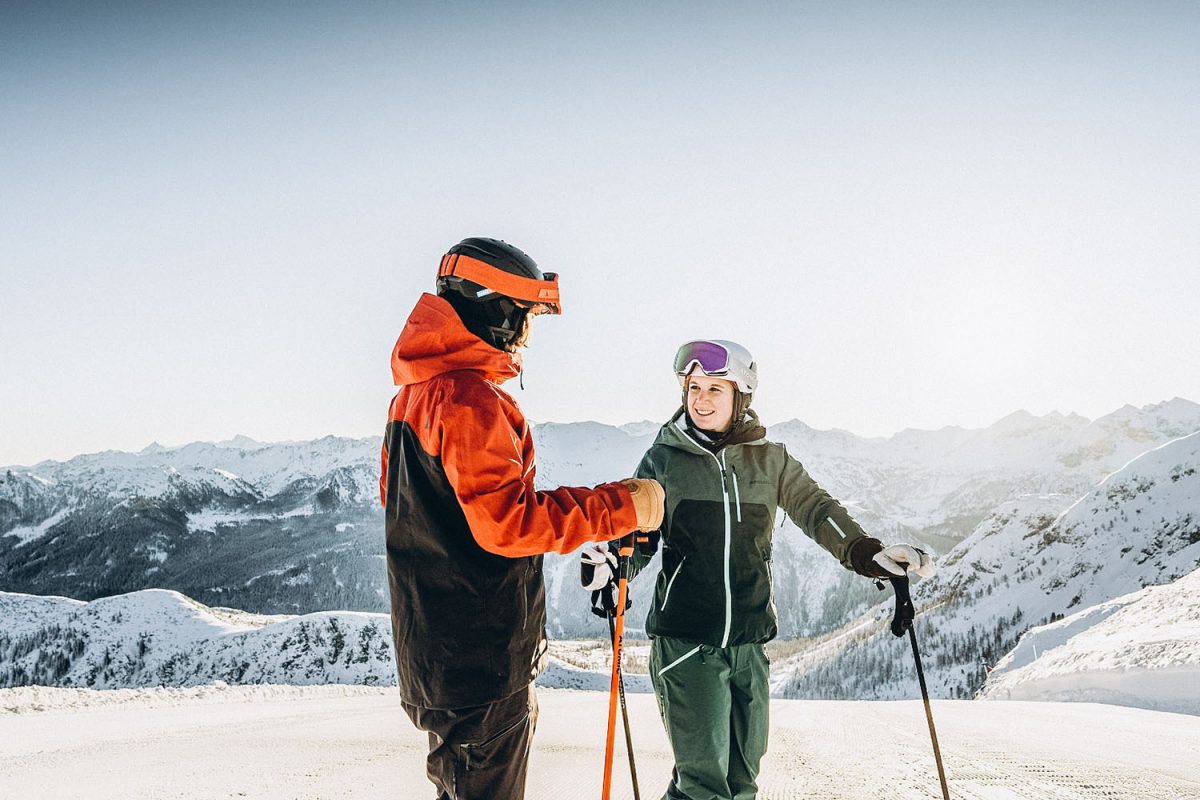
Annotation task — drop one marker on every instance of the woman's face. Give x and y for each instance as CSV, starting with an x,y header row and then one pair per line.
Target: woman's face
x,y
710,402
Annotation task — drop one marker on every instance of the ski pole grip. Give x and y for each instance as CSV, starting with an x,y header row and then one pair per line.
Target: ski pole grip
x,y
625,546
903,618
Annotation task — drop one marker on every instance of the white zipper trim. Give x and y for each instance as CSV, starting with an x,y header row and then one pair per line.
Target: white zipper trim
x,y
671,583
728,545
679,660
841,533
737,495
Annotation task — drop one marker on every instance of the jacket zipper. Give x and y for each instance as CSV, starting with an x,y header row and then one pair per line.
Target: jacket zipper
x,y
671,583
736,493
525,600
728,543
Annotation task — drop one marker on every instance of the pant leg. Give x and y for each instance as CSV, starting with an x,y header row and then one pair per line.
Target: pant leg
x,y
691,683
482,752
750,691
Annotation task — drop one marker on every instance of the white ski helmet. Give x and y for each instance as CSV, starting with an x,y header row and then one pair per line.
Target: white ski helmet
x,y
718,358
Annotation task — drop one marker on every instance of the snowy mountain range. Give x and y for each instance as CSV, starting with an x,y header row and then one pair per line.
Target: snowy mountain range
x,y
296,527
1036,559
271,528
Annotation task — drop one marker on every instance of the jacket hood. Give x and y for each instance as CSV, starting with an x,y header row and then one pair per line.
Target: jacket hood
x,y
434,341
674,433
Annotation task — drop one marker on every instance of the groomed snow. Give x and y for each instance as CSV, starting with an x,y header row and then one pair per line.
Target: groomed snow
x,y
275,742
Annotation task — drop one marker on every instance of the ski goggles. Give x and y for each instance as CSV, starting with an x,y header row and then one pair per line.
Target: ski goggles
x,y
712,358
528,292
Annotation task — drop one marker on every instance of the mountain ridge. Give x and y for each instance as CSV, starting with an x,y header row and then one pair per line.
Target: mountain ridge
x,y
296,527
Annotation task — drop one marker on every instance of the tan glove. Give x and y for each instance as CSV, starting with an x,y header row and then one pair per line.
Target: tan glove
x,y
648,497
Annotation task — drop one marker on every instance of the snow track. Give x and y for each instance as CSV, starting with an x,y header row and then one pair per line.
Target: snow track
x,y
328,742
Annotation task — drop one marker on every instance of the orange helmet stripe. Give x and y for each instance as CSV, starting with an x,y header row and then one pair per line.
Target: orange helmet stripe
x,y
528,290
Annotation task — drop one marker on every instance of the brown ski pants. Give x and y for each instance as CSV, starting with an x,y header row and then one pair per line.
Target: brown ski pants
x,y
482,752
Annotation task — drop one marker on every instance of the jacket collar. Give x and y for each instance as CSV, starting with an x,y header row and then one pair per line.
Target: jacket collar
x,y
675,433
434,341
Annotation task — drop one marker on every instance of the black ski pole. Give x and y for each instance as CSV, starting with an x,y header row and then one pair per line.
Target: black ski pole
x,y
901,622
625,717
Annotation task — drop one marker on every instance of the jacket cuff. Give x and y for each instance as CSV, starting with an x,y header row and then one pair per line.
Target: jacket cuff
x,y
623,512
861,551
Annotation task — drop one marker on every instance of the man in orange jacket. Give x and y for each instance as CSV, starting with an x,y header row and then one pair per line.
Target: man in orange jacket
x,y
466,530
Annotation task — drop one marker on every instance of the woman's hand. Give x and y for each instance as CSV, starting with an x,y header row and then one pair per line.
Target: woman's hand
x,y
898,559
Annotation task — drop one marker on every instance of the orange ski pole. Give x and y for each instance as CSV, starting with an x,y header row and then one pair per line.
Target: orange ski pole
x,y
624,551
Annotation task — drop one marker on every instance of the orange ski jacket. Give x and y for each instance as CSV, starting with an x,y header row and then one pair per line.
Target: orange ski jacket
x,y
466,529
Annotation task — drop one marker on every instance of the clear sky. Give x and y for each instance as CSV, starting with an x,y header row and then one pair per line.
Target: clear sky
x,y
215,217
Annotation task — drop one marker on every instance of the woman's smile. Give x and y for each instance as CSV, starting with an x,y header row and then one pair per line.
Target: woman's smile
x,y
710,402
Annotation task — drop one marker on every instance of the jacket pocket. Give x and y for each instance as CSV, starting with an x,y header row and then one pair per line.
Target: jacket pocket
x,y
837,529
477,755
679,661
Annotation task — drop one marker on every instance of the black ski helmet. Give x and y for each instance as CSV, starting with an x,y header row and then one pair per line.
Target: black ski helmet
x,y
493,286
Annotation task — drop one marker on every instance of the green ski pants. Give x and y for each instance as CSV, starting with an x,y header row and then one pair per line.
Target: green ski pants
x,y
714,703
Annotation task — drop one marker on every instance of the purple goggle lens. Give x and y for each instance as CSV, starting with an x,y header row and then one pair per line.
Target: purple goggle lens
x,y
712,358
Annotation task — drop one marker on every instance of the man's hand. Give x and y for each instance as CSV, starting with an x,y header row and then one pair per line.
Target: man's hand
x,y
648,499
897,559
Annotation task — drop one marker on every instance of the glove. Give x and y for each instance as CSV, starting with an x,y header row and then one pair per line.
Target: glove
x,y
597,567
648,497
897,559
598,573
646,543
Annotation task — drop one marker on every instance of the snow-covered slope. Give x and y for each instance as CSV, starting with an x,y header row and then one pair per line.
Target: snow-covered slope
x,y
157,637
1036,559
354,742
1141,649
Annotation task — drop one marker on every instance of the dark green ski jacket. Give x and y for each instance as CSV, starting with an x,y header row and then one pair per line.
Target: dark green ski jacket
x,y
715,583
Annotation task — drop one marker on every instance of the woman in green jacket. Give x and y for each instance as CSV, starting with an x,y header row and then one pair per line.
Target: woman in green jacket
x,y
713,607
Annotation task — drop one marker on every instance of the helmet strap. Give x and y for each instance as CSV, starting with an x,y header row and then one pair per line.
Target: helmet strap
x,y
741,402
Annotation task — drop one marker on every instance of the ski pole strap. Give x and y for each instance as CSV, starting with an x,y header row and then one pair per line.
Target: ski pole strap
x,y
903,618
